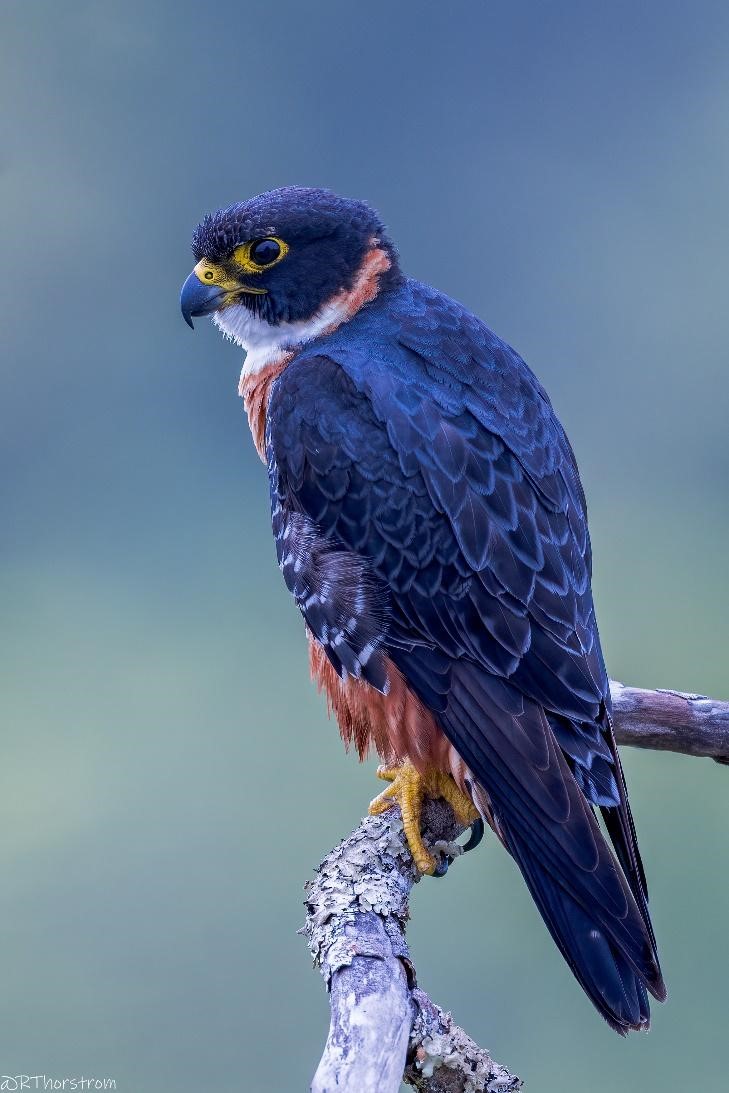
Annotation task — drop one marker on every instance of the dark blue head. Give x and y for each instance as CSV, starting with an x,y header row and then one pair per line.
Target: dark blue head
x,y
283,254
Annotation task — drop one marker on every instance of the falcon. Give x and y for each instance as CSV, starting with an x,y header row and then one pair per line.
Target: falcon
x,y
431,526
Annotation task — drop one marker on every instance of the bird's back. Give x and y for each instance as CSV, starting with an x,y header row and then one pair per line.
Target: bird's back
x,y
417,440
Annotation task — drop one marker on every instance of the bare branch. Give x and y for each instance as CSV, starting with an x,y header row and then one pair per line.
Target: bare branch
x,y
671,721
384,1030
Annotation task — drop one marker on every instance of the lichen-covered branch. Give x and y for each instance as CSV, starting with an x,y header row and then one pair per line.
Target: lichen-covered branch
x,y
446,1060
384,1030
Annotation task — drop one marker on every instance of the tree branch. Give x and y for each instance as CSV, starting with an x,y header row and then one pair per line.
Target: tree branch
x,y
671,721
384,1030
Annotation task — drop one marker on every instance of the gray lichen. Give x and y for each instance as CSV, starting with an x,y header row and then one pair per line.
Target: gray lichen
x,y
383,1028
371,871
443,1059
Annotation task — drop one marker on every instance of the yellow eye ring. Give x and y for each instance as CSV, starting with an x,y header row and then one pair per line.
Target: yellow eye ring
x,y
243,256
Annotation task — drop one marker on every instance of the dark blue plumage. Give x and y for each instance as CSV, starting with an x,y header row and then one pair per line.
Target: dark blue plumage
x,y
414,438
428,515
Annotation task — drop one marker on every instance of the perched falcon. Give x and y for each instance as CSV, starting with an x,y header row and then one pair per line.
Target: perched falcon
x,y
431,526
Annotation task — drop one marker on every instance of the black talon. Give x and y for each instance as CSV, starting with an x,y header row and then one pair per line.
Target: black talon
x,y
477,830
442,867
475,837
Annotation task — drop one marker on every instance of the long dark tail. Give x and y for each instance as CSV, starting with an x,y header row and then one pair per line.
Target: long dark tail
x,y
600,924
613,974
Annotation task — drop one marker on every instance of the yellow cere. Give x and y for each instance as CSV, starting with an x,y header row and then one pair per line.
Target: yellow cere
x,y
211,273
225,275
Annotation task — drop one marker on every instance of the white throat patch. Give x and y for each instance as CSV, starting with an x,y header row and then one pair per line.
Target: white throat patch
x,y
264,343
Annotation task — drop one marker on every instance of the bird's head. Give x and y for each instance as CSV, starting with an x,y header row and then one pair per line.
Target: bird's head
x,y
282,258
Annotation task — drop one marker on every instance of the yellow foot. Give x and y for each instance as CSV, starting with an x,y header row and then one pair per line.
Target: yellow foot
x,y
409,788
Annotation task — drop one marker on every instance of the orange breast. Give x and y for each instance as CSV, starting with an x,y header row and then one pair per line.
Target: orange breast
x,y
396,725
255,390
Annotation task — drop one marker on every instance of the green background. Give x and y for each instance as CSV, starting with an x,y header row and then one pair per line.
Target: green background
x,y
168,775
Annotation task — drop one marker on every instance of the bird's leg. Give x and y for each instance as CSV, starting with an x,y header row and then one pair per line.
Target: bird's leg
x,y
409,788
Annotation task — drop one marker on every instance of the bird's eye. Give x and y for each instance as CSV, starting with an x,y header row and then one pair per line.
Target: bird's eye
x,y
260,254
208,275
264,252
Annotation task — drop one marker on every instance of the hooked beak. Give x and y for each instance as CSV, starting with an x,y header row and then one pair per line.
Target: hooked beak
x,y
197,298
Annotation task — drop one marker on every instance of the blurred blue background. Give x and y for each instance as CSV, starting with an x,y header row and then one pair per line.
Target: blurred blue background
x,y
169,777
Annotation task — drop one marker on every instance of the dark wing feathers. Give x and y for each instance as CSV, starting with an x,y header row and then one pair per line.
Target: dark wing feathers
x,y
340,598
537,800
436,460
